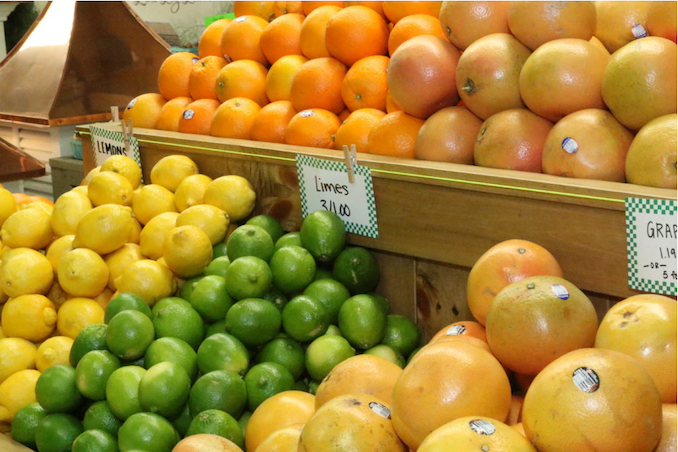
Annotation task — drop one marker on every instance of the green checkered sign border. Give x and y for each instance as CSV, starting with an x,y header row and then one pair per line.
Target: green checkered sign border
x,y
100,134
651,206
368,230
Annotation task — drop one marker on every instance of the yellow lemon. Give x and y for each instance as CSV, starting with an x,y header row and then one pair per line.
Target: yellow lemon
x,y
15,354
119,260
82,273
191,191
76,314
148,279
149,201
232,194
134,233
124,166
171,170
30,317
53,352
108,187
104,229
29,228
7,205
68,211
26,271
57,295
82,189
104,298
88,178
154,233
16,392
187,251
211,219
58,248
49,208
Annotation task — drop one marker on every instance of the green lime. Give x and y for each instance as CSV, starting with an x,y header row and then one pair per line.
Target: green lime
x,y
323,234
210,298
124,301
332,294
265,380
217,422
291,238
56,390
218,266
293,268
357,269
174,350
269,224
92,337
221,390
187,288
122,391
362,321
305,318
243,420
129,333
25,422
313,386
248,277
287,352
321,273
216,327
383,302
276,297
402,334
147,432
223,351
219,250
249,240
254,321
93,372
333,330
183,421
56,432
414,352
100,416
174,317
388,353
326,352
164,389
95,441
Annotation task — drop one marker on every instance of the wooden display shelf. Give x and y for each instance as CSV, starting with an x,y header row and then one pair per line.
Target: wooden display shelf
x,y
436,219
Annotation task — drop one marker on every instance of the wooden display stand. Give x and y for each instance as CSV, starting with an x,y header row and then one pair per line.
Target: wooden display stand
x,y
436,219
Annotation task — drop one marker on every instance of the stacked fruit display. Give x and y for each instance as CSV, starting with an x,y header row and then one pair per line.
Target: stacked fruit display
x,y
531,86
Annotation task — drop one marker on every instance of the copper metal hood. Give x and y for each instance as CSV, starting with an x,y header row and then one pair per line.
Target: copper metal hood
x,y
77,60
15,164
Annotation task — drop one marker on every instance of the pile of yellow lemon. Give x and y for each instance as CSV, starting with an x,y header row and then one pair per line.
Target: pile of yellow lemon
x,y
60,265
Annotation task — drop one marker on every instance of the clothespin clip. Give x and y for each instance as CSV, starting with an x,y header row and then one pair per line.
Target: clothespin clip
x,y
351,159
115,115
125,137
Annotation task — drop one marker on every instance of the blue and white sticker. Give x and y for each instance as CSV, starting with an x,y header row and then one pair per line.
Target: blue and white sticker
x,y
638,31
586,379
380,409
240,19
456,330
569,145
306,113
560,291
188,114
482,427
131,104
195,60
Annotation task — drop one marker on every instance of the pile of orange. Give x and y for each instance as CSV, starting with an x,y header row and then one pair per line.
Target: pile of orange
x,y
555,88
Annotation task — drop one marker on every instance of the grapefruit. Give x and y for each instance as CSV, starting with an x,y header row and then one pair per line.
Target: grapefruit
x,y
619,23
661,19
448,136
669,439
206,442
466,22
651,159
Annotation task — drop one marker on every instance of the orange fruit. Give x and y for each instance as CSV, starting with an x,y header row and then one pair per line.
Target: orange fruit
x,y
374,6
535,23
478,387
394,135
318,85
619,23
203,78
312,35
544,310
448,136
512,139
309,6
171,113
314,127
587,144
365,84
144,110
461,328
210,40
197,116
241,39
354,33
465,22
174,73
280,77
420,74
395,10
22,199
593,399
411,26
234,118
245,78
391,105
505,263
644,327
563,76
669,437
270,123
661,20
356,129
282,37
259,9
639,83
282,8
651,159
344,114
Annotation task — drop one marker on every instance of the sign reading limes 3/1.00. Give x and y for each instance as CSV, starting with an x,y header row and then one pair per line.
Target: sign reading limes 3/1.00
x,y
324,185
106,143
651,233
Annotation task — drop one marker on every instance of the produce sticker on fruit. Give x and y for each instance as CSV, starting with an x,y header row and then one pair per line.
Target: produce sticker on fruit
x,y
106,143
651,232
324,185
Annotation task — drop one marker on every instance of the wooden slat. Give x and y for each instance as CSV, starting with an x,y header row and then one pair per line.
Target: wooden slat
x,y
9,445
397,282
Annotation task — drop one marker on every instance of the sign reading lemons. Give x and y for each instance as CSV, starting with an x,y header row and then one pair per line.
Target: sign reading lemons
x,y
324,185
106,143
651,232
